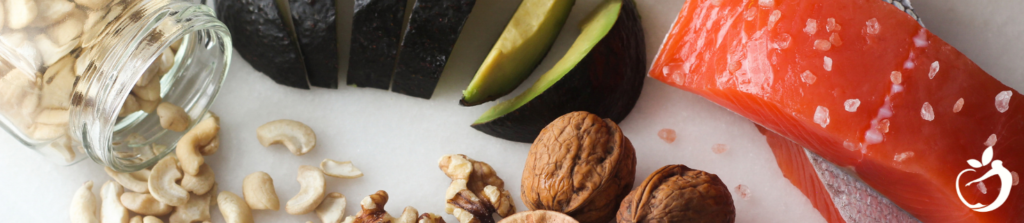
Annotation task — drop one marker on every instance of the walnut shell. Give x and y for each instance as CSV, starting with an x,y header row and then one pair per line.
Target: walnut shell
x,y
676,193
580,165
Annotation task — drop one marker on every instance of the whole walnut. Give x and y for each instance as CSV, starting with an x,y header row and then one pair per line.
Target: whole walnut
x,y
676,193
580,165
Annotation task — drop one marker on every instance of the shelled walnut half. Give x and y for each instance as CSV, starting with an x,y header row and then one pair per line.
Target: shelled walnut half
x,y
476,191
373,212
580,165
676,193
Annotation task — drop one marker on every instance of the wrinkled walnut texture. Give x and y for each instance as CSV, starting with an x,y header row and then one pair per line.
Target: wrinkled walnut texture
x,y
476,189
580,165
676,193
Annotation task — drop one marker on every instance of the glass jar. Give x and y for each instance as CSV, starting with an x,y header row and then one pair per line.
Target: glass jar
x,y
86,77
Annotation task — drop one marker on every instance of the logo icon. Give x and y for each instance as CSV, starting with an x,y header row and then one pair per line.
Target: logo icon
x,y
1005,179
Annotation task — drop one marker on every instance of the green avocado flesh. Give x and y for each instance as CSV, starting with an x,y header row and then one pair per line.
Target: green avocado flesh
x,y
594,28
521,47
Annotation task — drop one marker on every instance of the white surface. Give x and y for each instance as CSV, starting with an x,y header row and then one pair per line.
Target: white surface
x,y
396,140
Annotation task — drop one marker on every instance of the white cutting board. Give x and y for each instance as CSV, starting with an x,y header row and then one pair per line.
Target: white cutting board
x,y
396,140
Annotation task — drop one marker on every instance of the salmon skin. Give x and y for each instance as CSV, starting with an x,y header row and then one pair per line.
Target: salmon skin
x,y
863,85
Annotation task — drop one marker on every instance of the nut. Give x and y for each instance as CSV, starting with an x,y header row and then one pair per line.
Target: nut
x,y
136,219
200,183
430,218
143,203
130,181
372,210
51,11
20,13
409,215
311,192
196,209
233,208
579,165
476,190
148,92
166,62
66,34
83,205
298,137
151,219
539,216
676,193
332,208
93,4
172,117
162,183
58,82
131,105
258,190
340,169
148,106
211,148
111,209
51,51
53,117
199,136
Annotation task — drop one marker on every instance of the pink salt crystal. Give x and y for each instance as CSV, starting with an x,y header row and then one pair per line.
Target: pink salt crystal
x,y
719,148
959,105
871,26
743,191
668,135
832,26
808,77
1016,179
883,126
835,40
991,141
896,77
822,45
812,27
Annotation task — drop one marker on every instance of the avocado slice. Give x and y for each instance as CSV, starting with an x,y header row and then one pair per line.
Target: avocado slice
x,y
263,39
434,27
524,43
316,29
376,30
603,73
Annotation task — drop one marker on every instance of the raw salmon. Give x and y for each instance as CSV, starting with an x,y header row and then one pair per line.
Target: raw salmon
x,y
863,85
796,167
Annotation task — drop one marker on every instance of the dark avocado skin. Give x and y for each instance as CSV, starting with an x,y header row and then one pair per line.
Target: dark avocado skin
x,y
433,29
376,30
261,38
607,82
316,29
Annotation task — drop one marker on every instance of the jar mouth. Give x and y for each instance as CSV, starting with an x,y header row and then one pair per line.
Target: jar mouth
x,y
200,64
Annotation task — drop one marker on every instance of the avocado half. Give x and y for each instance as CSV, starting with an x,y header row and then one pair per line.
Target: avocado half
x,y
316,30
262,38
520,48
376,30
602,73
434,27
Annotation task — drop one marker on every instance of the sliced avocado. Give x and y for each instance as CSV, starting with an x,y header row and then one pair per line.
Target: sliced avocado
x,y
434,27
316,29
376,31
602,73
521,47
261,36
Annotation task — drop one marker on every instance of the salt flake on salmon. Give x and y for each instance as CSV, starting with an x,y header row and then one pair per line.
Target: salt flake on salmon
x,y
903,140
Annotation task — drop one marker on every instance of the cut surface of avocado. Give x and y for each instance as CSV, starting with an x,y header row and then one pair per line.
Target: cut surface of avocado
x,y
520,48
316,29
261,36
594,28
376,32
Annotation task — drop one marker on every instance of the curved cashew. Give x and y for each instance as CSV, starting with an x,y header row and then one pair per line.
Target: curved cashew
x,y
200,135
340,169
131,105
83,205
196,209
212,147
233,208
298,137
111,209
258,190
162,183
20,13
150,91
200,183
172,117
151,219
136,219
131,180
312,184
143,203
332,209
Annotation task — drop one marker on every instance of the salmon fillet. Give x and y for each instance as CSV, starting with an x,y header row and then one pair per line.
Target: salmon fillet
x,y
863,85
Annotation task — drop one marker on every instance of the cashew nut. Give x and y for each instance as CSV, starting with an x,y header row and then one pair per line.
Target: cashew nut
x,y
233,208
172,117
176,45
166,62
162,183
83,205
200,183
200,135
332,209
298,137
131,105
93,4
148,106
212,147
340,169
136,219
20,13
143,203
311,192
130,180
151,219
51,11
148,92
258,190
111,209
196,209
58,82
